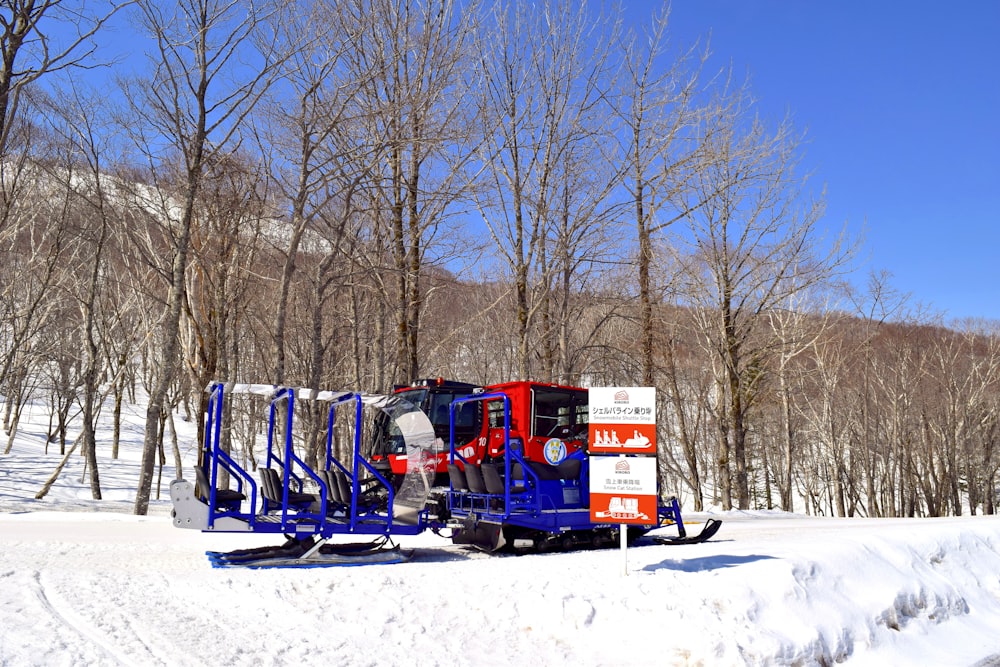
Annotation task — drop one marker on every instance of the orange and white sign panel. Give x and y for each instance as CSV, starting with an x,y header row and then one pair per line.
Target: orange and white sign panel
x,y
623,490
622,405
620,508
622,438
622,420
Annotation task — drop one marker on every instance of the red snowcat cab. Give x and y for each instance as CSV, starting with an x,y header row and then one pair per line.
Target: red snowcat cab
x,y
550,420
545,417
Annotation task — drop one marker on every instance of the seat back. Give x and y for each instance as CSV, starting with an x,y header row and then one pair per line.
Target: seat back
x,y
544,471
332,488
344,485
457,477
441,415
570,469
492,479
270,484
202,479
474,478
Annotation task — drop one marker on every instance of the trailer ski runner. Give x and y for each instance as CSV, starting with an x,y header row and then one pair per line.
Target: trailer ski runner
x,y
503,467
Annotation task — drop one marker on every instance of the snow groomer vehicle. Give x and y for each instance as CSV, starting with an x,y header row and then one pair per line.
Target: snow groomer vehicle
x,y
504,468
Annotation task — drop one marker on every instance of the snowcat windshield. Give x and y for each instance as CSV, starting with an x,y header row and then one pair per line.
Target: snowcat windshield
x,y
413,433
387,439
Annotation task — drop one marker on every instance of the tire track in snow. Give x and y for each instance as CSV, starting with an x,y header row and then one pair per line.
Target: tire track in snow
x,y
62,614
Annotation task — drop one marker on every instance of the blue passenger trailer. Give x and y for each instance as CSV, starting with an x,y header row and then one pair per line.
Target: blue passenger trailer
x,y
307,504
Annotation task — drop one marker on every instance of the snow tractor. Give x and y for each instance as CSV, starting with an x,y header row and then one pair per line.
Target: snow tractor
x,y
516,464
524,484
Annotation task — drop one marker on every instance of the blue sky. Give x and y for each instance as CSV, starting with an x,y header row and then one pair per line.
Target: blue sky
x,y
900,102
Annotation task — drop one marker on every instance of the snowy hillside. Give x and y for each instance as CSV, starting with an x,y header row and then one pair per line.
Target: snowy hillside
x,y
87,583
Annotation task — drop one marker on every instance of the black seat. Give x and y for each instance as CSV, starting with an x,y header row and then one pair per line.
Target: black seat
x,y
272,488
543,471
569,469
518,480
332,488
441,416
457,477
371,497
227,497
492,479
475,478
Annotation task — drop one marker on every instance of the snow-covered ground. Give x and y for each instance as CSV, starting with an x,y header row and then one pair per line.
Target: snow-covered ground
x,y
85,582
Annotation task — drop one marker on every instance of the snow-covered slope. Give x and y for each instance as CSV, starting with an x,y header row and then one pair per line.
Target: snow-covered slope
x,y
86,583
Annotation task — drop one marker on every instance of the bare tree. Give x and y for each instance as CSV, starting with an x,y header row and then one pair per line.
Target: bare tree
x,y
583,244
225,243
35,243
685,390
38,37
655,107
750,244
89,145
959,374
542,82
408,58
311,156
795,327
195,102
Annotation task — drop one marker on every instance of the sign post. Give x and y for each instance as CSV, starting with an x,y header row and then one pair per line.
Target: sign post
x,y
623,484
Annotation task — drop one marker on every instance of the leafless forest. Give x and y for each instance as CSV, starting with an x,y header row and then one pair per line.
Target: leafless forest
x,y
357,193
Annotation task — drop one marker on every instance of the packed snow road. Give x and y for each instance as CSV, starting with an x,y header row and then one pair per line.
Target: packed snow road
x,y
100,588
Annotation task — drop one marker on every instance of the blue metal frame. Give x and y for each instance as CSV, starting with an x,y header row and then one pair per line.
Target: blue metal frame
x,y
366,513
290,459
468,500
537,507
215,456
326,521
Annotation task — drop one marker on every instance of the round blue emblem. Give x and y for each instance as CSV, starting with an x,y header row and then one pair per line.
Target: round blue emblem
x,y
555,451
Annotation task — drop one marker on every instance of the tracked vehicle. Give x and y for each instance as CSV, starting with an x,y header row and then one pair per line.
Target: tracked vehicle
x,y
524,484
516,461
